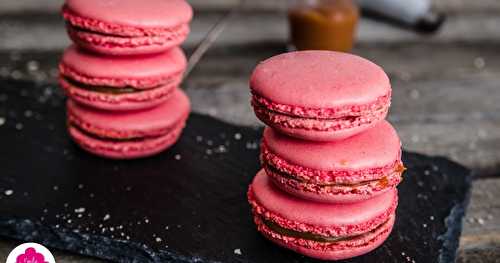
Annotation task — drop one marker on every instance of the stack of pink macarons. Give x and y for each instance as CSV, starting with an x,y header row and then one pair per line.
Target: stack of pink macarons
x,y
331,163
122,75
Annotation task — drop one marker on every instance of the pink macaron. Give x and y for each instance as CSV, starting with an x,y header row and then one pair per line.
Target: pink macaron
x,y
351,170
120,83
321,230
320,95
131,134
127,27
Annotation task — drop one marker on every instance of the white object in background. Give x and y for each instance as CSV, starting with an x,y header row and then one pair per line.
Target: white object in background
x,y
414,13
409,11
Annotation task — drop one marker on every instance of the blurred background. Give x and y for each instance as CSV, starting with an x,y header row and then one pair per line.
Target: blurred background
x,y
446,84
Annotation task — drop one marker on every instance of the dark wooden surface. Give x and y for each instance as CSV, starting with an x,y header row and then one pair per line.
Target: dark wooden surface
x,y
446,87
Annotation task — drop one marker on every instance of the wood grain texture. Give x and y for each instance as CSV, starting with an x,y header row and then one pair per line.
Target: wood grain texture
x,y
480,241
46,32
449,6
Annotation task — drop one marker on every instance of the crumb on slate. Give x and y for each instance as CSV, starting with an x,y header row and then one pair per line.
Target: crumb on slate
x,y
80,210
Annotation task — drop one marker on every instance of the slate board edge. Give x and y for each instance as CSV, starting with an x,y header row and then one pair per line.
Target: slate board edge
x,y
84,244
454,221
103,247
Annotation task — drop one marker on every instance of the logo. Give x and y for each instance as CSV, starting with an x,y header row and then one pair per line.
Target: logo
x,y
30,253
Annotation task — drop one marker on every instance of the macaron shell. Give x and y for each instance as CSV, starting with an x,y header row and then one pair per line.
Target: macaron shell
x,y
126,150
349,251
142,14
319,79
151,122
378,146
140,72
355,216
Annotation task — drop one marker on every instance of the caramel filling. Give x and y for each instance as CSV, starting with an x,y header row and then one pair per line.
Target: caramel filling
x,y
97,137
383,182
350,118
314,237
105,89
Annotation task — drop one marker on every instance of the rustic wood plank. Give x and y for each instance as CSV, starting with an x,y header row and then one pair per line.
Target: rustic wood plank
x,y
22,6
471,28
450,6
46,32
480,241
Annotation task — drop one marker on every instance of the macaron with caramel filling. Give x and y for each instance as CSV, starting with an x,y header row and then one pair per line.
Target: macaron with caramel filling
x,y
127,27
320,95
128,134
321,230
120,83
357,168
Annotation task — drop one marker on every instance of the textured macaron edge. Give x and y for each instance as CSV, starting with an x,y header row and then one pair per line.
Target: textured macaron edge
x,y
329,231
382,102
380,231
339,176
285,121
102,43
158,94
104,28
98,131
149,82
126,150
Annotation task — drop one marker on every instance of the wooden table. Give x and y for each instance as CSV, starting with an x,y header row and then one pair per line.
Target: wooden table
x,y
446,87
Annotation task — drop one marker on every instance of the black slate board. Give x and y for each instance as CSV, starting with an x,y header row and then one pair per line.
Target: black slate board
x,y
187,204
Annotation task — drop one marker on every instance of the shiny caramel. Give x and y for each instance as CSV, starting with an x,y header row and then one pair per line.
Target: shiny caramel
x,y
325,25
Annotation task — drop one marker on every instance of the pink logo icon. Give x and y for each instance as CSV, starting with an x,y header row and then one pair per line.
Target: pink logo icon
x,y
30,256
